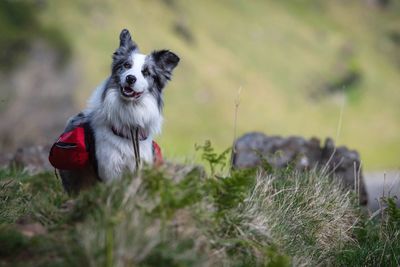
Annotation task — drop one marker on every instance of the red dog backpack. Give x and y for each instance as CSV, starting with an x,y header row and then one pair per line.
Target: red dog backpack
x,y
72,149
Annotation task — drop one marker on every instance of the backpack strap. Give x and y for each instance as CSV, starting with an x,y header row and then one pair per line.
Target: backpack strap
x,y
91,147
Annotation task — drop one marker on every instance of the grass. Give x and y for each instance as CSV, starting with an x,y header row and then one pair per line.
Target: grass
x,y
378,240
21,195
302,215
279,52
181,215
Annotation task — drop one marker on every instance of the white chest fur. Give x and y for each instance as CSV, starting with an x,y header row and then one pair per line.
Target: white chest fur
x,y
115,154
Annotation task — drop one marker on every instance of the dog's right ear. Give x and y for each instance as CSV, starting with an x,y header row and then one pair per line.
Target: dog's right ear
x,y
125,42
125,39
126,46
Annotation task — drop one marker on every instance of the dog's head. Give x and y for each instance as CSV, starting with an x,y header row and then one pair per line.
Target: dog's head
x,y
136,74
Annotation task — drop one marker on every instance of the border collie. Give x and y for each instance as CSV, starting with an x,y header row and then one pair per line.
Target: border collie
x,y
131,97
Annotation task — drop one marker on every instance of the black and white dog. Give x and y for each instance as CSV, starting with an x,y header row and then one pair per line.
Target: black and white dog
x,y
131,97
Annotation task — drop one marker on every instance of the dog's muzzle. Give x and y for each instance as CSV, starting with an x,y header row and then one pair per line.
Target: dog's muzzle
x,y
129,92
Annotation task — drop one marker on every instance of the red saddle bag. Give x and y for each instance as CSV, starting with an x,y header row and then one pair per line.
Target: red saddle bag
x,y
71,150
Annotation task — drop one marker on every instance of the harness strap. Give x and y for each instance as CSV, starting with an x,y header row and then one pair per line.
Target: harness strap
x,y
135,143
91,145
56,174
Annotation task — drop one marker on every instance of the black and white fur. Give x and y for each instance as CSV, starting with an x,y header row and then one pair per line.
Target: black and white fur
x,y
131,97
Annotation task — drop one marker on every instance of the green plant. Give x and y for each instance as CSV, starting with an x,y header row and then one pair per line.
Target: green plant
x,y
378,239
213,159
392,218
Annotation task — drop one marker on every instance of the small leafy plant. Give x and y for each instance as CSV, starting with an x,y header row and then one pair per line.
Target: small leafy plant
x,y
213,159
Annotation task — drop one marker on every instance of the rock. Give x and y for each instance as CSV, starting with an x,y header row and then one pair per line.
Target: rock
x,y
30,228
342,163
33,159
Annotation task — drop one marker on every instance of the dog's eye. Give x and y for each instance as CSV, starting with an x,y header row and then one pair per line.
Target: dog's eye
x,y
145,72
127,65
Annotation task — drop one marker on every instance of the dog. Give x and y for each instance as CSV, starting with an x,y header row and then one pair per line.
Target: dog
x,y
131,97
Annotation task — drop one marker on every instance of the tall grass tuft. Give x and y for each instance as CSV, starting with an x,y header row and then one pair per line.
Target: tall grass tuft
x,y
307,214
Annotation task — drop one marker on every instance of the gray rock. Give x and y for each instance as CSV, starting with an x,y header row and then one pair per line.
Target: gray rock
x,y
340,162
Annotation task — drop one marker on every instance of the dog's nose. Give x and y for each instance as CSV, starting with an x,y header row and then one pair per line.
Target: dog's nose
x,y
130,79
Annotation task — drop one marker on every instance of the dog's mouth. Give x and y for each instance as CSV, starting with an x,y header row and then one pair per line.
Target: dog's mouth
x,y
128,92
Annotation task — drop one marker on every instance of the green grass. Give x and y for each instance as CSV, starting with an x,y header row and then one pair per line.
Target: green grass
x,y
39,197
181,215
378,240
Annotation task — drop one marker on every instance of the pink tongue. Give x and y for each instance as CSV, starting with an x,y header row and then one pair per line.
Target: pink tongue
x,y
128,90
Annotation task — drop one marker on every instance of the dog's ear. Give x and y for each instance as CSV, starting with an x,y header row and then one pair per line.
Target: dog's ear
x,y
126,45
125,38
164,62
125,41
165,59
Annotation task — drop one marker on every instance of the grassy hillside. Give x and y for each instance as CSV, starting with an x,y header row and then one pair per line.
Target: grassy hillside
x,y
181,216
281,53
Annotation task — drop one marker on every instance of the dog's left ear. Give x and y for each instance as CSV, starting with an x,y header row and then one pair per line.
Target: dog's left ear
x,y
165,59
164,62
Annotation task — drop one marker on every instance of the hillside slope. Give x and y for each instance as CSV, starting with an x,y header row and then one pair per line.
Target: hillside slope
x,y
291,60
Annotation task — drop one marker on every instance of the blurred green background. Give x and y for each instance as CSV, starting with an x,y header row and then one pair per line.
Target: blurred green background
x,y
305,67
